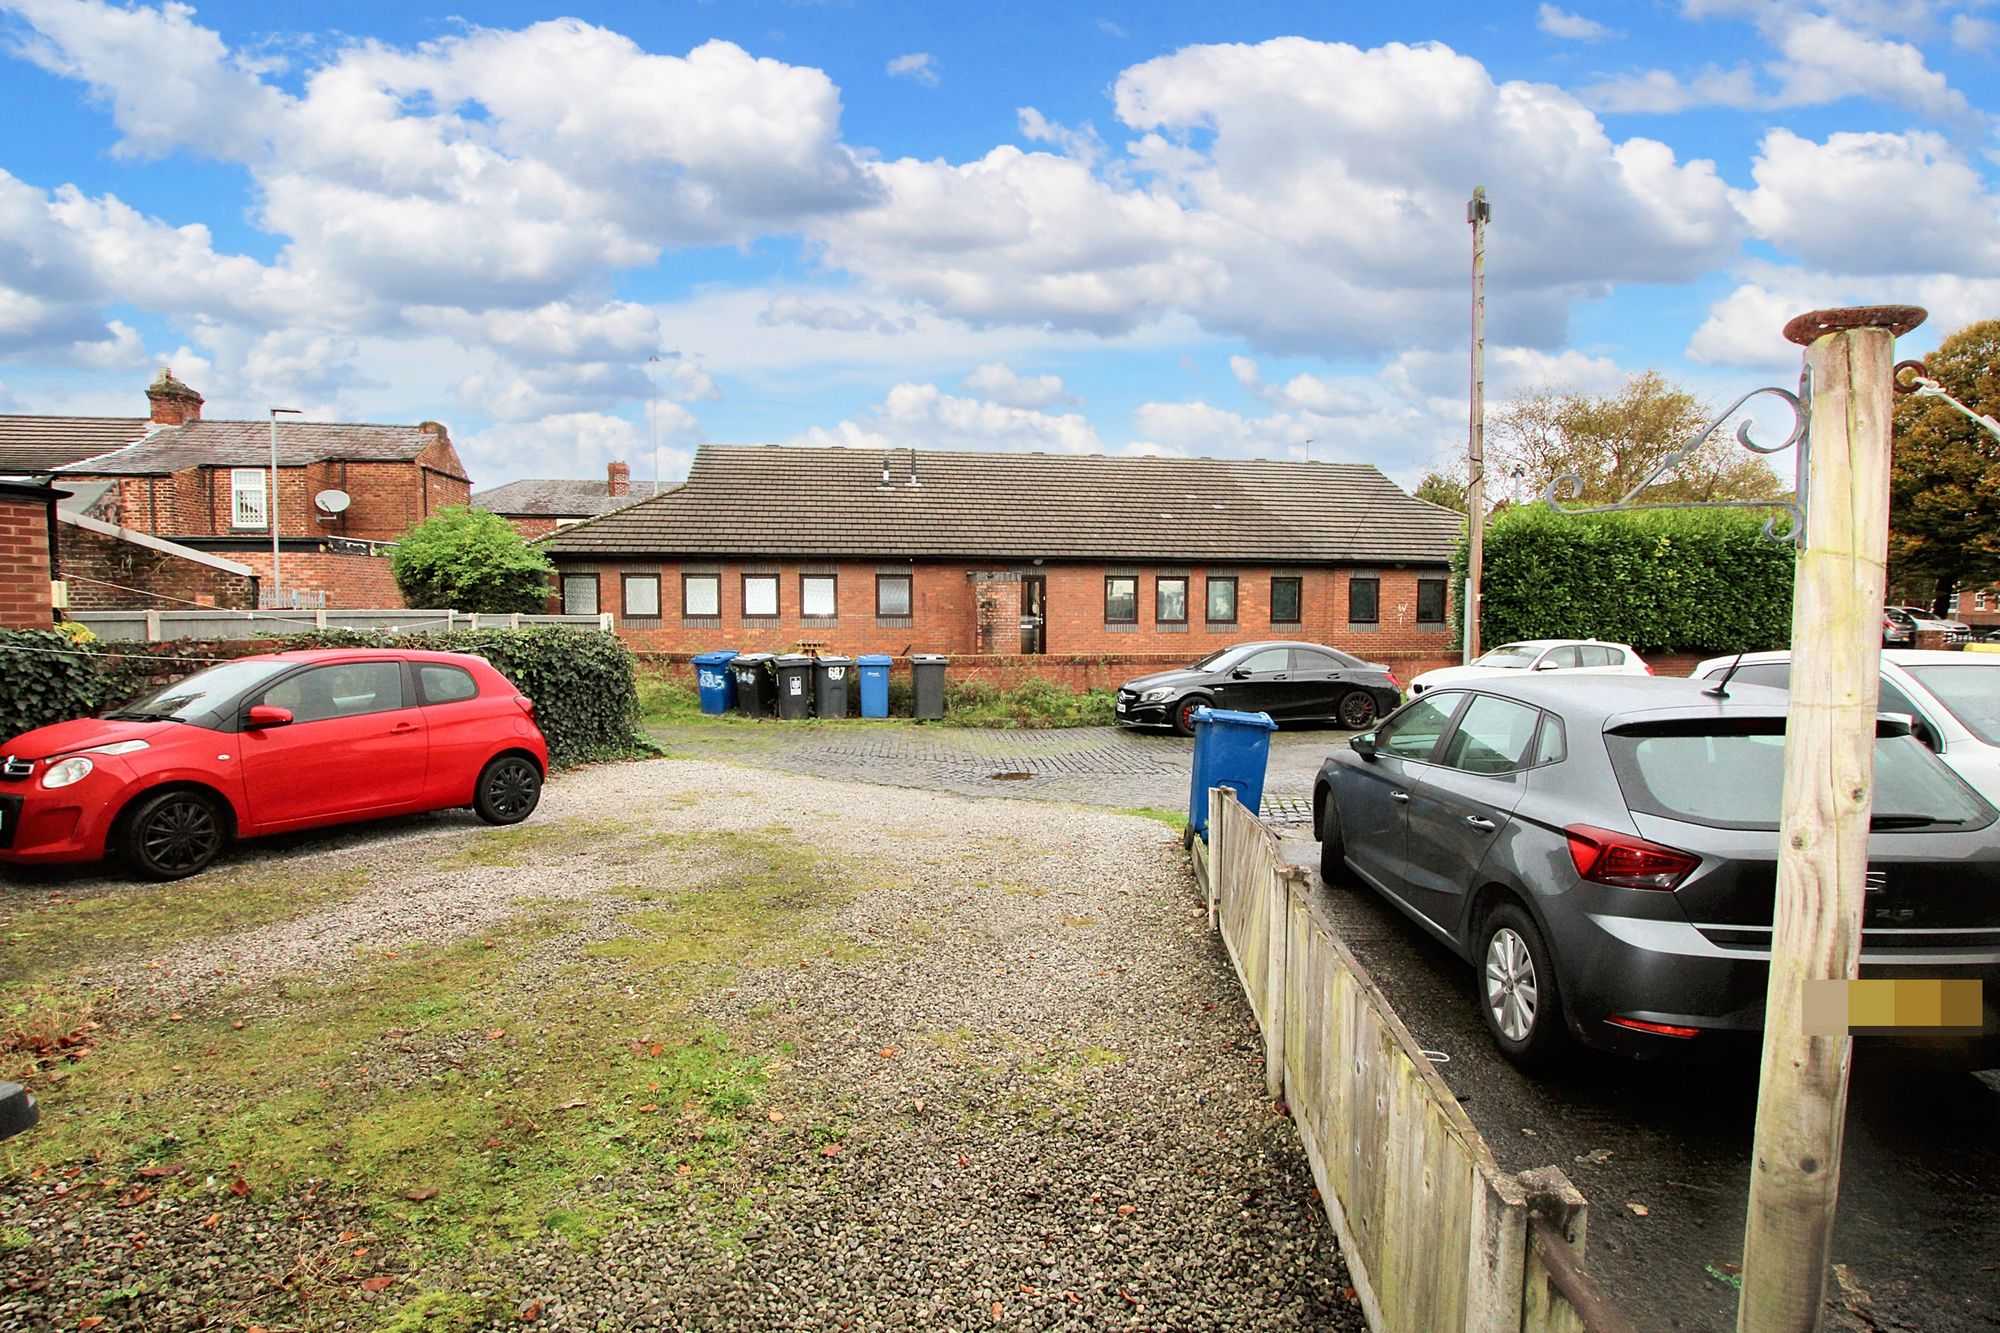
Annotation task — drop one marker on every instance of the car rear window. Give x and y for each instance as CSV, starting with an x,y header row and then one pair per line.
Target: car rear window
x,y
1972,693
1734,777
446,684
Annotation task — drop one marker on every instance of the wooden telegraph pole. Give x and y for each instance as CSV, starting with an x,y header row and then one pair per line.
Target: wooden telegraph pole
x,y
1477,212
1828,796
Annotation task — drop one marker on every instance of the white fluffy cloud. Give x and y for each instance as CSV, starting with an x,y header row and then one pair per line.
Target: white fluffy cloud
x,y
925,416
997,383
580,444
917,66
1570,27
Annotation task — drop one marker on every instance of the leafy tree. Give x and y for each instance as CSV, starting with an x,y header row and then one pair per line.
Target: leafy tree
x,y
470,560
1442,489
1944,473
1613,441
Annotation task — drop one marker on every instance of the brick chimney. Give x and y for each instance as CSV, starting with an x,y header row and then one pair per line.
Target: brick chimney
x,y
174,404
618,480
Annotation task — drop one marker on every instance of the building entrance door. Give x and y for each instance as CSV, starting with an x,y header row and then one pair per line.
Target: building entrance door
x,y
1034,614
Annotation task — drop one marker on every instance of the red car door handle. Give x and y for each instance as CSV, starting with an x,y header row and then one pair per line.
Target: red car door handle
x,y
402,728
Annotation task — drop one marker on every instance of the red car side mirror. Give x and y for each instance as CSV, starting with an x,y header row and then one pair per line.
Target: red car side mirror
x,y
268,715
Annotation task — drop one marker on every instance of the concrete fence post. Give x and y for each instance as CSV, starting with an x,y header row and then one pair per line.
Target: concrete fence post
x,y
319,618
152,627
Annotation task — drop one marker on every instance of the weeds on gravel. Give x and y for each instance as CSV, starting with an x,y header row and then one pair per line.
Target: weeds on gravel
x,y
543,1079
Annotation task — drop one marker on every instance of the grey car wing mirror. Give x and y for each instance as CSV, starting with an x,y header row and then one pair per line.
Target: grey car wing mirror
x,y
1363,745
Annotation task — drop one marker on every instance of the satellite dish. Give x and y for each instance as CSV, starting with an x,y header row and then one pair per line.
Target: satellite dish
x,y
332,502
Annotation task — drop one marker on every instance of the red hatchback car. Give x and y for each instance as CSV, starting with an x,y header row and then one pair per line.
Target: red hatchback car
x,y
269,744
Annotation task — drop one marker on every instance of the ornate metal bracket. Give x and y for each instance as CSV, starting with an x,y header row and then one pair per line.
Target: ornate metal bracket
x,y
1570,485
1921,385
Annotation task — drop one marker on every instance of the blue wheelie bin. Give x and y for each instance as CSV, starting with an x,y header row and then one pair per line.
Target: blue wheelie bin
x,y
874,669
715,681
1230,750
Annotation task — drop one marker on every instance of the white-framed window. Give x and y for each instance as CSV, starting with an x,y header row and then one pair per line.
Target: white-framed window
x,y
817,596
247,507
701,594
760,594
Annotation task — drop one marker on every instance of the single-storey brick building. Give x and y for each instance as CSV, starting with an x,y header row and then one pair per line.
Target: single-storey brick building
x,y
27,554
1015,555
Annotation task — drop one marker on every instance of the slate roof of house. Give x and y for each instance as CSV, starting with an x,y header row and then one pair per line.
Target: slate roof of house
x,y
776,500
557,498
42,444
248,444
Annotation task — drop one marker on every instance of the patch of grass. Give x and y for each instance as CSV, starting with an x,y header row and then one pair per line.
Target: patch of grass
x,y
44,935
1032,703
468,1097
445,1312
1173,819
522,843
15,1238
664,699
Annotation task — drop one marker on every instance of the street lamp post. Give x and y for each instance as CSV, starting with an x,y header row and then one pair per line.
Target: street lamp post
x,y
277,577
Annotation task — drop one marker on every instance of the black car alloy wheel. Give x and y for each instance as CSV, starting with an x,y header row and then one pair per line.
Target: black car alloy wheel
x,y
173,835
1184,713
1357,709
509,790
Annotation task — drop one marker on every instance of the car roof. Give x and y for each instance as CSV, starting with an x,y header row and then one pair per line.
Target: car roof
x,y
1902,657
366,654
1602,699
1284,643
1558,643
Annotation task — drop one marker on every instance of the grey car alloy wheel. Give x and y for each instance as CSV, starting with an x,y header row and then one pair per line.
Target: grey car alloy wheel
x,y
1511,990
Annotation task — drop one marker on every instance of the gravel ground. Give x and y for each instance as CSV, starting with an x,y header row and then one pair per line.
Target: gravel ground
x,y
1041,1088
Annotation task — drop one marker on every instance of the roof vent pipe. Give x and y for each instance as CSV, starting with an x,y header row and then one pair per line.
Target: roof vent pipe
x,y
913,466
885,469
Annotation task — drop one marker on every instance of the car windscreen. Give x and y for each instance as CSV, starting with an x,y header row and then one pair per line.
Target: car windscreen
x,y
1730,774
1214,659
1971,692
1513,656
196,695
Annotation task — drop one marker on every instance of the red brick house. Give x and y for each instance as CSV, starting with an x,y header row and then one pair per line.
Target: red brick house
x,y
27,554
537,508
208,485
1063,558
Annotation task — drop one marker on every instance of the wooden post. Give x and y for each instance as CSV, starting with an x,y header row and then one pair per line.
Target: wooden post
x,y
1828,797
1277,949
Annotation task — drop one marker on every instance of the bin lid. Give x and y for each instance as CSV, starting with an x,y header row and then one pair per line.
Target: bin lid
x,y
832,659
719,657
793,660
874,659
1260,721
751,659
929,658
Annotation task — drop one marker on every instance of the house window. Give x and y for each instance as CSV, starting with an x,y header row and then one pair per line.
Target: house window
x,y
1170,601
246,498
1364,598
1285,601
892,595
701,594
1121,600
1430,601
579,594
1982,601
760,595
1221,599
642,596
817,596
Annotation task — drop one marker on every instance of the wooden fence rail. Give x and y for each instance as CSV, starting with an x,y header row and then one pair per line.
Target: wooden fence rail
x,y
1436,1236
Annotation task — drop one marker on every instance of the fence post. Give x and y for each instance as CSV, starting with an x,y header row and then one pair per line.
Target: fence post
x,y
152,626
319,618
1219,844
1828,796
1284,882
514,620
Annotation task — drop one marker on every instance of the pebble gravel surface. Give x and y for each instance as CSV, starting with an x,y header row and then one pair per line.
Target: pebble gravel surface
x,y
1040,1087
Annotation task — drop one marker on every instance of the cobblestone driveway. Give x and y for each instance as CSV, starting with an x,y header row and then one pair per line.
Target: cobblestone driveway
x,y
1088,765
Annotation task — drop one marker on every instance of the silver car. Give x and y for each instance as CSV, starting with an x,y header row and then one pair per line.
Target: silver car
x,y
1604,850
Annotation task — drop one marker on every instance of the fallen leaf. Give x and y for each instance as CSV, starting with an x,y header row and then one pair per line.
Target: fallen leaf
x,y
889,1052
422,1194
1074,1299
496,1034
358,1252
1130,1299
657,1048
486,944
175,1018
238,1025
685,1168
377,1283
962,1162
212,1221
1349,1293
776,1117
571,1106
240,1188
1126,1210
135,1196
648,1109
90,1321
999,1311
1639,1209
531,1312
830,1150
1595,1157
1027,1291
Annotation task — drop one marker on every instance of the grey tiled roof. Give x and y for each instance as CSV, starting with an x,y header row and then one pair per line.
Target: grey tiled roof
x,y
42,444
557,499
778,500
248,444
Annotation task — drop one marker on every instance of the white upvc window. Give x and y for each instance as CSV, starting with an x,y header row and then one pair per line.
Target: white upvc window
x,y
247,505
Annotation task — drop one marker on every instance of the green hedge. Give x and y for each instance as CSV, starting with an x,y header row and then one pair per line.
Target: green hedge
x,y
582,682
1662,581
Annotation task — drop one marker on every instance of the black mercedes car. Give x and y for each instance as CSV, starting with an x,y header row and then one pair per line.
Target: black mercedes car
x,y
1293,682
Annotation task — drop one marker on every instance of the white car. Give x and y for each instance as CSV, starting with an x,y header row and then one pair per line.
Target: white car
x,y
1954,631
1954,697
1584,657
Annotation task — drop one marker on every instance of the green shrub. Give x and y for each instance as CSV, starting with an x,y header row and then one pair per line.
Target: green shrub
x,y
469,560
1662,581
49,678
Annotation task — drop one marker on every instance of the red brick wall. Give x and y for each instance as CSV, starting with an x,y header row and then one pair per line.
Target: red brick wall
x,y
1079,673
24,564
531,526
946,618
349,581
101,571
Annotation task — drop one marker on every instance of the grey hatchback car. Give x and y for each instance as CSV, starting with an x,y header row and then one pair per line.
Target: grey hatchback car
x,y
1604,851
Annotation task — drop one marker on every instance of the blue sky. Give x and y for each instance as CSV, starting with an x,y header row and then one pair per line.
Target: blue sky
x,y
1183,228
